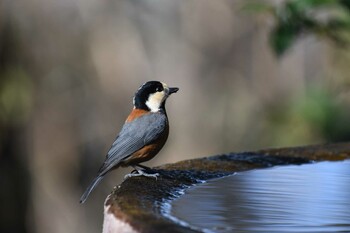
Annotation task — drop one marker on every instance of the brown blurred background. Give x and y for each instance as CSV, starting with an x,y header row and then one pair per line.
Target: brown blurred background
x,y
69,69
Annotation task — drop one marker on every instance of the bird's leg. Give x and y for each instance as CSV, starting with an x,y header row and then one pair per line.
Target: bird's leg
x,y
140,172
143,166
147,169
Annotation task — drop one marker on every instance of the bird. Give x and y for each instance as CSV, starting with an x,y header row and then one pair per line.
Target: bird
x,y
142,136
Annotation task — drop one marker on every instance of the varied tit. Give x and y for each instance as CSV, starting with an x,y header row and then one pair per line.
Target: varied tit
x,y
142,136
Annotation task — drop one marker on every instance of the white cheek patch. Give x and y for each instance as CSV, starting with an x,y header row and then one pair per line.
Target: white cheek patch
x,y
155,101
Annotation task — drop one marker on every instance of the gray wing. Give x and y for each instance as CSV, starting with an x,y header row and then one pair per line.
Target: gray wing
x,y
133,136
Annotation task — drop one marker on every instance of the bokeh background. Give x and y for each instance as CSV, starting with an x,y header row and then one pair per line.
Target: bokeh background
x,y
251,75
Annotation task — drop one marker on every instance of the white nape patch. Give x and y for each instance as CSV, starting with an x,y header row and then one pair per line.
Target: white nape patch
x,y
112,224
155,100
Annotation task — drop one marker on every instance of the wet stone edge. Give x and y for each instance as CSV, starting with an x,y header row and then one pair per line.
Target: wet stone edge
x,y
139,201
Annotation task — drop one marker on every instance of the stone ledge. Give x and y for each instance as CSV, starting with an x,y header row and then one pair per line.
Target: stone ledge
x,y
136,205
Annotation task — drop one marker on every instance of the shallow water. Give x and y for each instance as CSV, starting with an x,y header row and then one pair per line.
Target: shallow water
x,y
306,198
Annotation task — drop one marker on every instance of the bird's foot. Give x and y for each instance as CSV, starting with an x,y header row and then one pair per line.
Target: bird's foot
x,y
141,173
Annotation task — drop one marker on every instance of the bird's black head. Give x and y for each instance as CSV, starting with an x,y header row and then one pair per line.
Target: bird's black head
x,y
152,95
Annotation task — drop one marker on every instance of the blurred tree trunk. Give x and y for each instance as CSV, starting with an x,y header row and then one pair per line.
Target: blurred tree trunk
x,y
14,181
14,175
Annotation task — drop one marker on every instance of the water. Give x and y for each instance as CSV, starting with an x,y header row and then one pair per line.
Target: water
x,y
307,198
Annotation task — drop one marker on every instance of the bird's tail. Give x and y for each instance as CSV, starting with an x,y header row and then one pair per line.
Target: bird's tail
x,y
93,184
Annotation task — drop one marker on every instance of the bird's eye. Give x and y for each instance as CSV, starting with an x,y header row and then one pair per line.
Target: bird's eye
x,y
159,89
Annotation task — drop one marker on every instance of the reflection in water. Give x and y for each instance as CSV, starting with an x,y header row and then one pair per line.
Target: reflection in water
x,y
307,198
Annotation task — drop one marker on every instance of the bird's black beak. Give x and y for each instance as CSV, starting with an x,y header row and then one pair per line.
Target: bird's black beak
x,y
173,90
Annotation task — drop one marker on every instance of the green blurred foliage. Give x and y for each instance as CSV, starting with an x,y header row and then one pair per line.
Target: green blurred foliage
x,y
314,116
16,96
317,115
329,19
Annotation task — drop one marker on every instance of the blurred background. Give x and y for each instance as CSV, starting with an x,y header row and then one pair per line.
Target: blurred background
x,y
251,75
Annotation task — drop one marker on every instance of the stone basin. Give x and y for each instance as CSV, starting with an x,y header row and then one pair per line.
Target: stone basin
x,y
138,204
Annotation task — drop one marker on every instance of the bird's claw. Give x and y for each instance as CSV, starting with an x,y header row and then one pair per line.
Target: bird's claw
x,y
141,173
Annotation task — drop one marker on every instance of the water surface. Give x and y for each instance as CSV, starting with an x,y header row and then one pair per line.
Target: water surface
x,y
306,198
